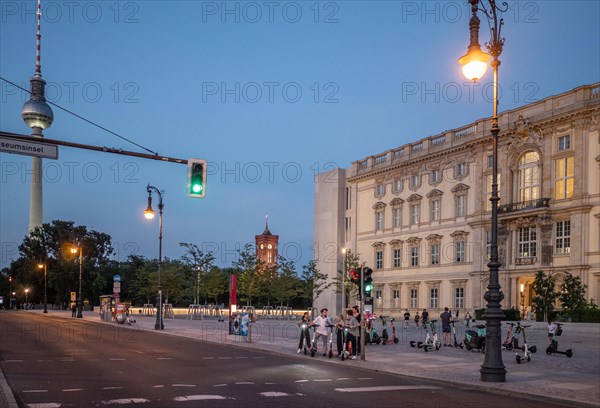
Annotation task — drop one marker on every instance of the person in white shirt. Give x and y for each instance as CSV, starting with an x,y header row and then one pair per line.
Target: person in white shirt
x,y
551,331
323,326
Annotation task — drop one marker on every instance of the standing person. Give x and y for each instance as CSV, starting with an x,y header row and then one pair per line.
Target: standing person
x,y
417,318
322,323
425,318
406,318
339,333
304,332
73,309
467,319
353,330
446,329
358,317
551,330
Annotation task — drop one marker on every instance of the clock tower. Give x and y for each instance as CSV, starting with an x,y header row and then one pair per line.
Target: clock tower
x,y
267,245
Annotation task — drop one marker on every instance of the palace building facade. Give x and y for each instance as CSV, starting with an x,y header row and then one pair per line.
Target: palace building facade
x,y
419,215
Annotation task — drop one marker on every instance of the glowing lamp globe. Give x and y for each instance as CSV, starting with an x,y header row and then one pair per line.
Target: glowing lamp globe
x,y
474,63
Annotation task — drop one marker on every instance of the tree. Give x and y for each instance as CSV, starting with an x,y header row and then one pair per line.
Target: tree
x,y
351,261
248,269
286,286
315,282
545,295
572,294
199,264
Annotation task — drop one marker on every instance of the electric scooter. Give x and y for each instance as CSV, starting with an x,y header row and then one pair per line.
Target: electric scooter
x,y
553,347
527,351
394,339
515,339
371,333
330,352
384,332
456,343
313,343
508,343
431,341
475,339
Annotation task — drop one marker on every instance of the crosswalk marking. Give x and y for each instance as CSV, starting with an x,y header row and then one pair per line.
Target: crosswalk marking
x,y
199,397
122,401
275,394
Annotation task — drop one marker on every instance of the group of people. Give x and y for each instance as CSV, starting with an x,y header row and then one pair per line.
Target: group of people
x,y
347,330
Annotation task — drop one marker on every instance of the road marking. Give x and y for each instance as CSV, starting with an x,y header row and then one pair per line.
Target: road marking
x,y
343,379
323,380
136,351
388,388
164,358
184,385
122,401
299,381
199,397
35,391
158,386
116,359
73,389
270,383
257,357
364,378
44,405
275,394
241,357
220,385
112,388
223,358
207,358
244,383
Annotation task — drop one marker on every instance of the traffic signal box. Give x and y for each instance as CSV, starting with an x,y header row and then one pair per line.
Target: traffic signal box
x,y
196,180
354,276
368,281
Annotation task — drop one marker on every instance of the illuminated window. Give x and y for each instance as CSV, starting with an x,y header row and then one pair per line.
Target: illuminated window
x,y
563,237
529,177
564,177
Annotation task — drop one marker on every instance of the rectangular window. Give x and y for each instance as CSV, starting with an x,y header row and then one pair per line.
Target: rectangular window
x,y
347,228
379,221
527,242
460,170
459,251
415,181
461,205
563,237
490,161
433,298
379,189
435,254
414,256
397,258
348,197
436,209
488,244
378,259
459,298
398,185
564,177
414,300
378,294
396,294
436,176
564,142
414,214
397,213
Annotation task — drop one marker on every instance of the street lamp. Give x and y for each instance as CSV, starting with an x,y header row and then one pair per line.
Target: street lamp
x,y
10,292
149,214
523,301
26,293
79,299
40,266
474,66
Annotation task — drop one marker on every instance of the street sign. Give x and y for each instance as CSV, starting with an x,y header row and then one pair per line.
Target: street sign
x,y
29,148
73,296
117,278
116,287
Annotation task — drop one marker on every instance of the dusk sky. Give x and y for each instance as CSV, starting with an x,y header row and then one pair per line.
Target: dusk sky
x,y
270,93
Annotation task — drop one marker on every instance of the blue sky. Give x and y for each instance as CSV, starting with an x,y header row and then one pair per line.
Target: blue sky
x,y
268,92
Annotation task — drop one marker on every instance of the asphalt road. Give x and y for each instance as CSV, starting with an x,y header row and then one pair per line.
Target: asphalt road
x,y
52,362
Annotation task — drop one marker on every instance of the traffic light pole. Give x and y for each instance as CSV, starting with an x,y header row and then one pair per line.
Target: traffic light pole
x,y
363,321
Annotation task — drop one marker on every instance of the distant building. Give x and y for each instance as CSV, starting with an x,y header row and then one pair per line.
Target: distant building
x,y
420,217
267,246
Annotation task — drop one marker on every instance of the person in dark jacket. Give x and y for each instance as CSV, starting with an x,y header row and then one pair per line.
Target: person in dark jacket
x,y
304,332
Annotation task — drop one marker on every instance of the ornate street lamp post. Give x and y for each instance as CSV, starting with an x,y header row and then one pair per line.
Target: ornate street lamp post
x,y
26,293
149,214
40,266
474,66
79,298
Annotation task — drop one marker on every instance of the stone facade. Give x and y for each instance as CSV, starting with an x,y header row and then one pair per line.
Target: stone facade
x,y
420,216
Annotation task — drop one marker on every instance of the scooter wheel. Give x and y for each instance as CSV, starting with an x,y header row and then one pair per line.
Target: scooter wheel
x,y
419,344
305,351
343,356
437,346
533,349
508,346
330,354
468,346
313,352
569,353
396,340
548,350
377,341
518,359
413,343
426,348
461,345
528,358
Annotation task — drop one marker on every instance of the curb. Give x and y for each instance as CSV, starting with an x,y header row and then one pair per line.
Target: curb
x,y
7,400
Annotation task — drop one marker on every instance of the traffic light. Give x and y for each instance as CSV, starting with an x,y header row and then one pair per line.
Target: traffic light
x,y
196,179
354,276
367,281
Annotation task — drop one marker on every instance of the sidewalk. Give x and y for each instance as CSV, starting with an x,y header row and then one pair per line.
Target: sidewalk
x,y
575,380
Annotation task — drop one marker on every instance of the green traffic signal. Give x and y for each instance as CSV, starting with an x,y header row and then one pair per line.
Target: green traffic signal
x,y
367,281
196,178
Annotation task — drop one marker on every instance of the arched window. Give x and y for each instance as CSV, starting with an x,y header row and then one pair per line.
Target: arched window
x,y
529,177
